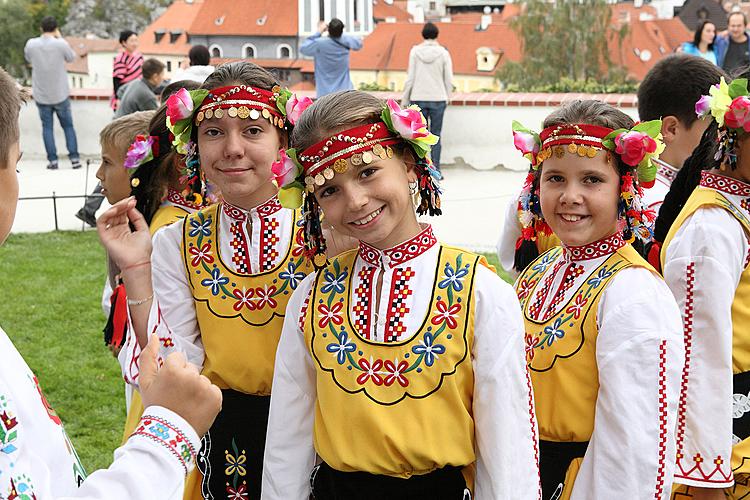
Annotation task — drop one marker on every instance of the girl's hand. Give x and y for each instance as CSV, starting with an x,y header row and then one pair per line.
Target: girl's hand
x,y
125,246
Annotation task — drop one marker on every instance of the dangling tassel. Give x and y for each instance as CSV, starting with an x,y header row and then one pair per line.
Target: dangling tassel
x,y
315,242
429,191
117,322
526,252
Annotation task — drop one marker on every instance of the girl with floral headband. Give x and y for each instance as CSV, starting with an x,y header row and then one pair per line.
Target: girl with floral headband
x,y
215,286
603,339
391,367
705,256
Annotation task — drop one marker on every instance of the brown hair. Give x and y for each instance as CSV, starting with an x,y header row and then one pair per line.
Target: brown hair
x,y
240,73
10,106
119,133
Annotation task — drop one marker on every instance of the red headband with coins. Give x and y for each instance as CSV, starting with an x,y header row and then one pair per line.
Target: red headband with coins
x,y
242,101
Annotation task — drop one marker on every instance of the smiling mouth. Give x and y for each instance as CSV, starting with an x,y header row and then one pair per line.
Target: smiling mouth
x,y
368,219
572,218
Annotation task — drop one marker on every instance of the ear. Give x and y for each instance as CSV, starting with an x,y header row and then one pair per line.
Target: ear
x,y
671,126
283,139
410,162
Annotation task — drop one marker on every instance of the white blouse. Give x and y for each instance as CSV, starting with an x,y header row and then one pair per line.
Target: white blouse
x,y
172,316
703,265
38,460
505,426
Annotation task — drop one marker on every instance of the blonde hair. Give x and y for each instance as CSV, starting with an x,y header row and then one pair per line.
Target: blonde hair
x,y
11,97
120,133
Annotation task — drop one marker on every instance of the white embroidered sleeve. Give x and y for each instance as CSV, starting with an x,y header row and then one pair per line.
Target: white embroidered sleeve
x,y
505,423
506,245
639,355
703,265
290,455
172,316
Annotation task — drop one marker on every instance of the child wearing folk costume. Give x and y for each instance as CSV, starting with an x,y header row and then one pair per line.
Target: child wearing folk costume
x,y
401,362
603,339
223,275
37,459
705,259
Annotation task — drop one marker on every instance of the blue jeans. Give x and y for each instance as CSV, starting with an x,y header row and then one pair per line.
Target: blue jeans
x,y
62,110
433,111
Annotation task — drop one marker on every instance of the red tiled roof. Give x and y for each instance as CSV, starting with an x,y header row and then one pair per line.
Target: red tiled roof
x,y
304,65
176,19
83,46
247,17
388,46
646,43
383,10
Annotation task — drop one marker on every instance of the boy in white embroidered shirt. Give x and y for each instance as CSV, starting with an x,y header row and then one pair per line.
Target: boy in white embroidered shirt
x,y
36,458
391,367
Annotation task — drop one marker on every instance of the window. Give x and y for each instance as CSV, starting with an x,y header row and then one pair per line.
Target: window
x,y
433,5
169,65
248,51
216,51
284,51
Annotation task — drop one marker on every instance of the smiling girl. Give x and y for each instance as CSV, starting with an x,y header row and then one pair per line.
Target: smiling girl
x,y
218,281
401,362
603,337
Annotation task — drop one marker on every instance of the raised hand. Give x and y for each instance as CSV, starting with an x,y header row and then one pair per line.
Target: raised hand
x,y
178,386
125,246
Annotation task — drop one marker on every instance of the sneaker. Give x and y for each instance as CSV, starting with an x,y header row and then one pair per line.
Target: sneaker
x,y
76,164
52,165
86,217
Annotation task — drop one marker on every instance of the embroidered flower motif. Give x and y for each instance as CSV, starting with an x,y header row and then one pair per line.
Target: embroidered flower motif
x,y
244,299
601,276
530,343
160,430
332,315
202,254
525,287
299,243
543,264
292,276
235,465
370,370
215,281
577,306
445,313
265,296
453,278
344,346
200,227
166,342
553,332
238,493
394,372
334,282
429,349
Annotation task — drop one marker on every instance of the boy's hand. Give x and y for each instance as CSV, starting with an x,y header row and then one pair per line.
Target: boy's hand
x,y
125,246
178,386
322,27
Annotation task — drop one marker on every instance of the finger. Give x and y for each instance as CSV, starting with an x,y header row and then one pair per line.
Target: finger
x,y
139,222
175,360
192,368
148,362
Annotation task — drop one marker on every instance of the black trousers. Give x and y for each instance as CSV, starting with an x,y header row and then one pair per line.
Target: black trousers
x,y
442,484
554,460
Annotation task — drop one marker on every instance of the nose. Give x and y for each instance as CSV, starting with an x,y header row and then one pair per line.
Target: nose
x,y
100,172
234,145
571,194
356,198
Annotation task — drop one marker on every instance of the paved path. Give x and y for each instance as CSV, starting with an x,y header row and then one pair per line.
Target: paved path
x,y
473,201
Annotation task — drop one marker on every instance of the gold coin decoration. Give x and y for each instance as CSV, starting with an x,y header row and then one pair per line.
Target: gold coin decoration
x,y
320,260
219,114
582,150
266,114
232,112
254,114
572,148
309,181
378,150
200,116
243,112
356,160
320,180
135,182
328,173
389,152
591,152
367,157
559,151
209,114
341,165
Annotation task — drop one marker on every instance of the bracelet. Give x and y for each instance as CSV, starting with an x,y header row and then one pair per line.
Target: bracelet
x,y
135,265
141,301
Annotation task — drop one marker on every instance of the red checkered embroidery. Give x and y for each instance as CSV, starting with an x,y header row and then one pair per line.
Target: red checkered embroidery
x,y
269,238
596,249
240,251
175,198
724,184
397,309
303,311
543,291
361,309
400,253
532,422
685,470
571,273
662,419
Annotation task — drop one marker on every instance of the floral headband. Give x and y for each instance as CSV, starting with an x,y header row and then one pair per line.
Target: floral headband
x,y
636,147
729,105
188,108
297,173
143,149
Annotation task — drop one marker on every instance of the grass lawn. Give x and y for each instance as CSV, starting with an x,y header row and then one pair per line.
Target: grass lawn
x,y
52,313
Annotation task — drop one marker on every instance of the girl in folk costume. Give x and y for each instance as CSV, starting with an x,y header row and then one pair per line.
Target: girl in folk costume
x,y
705,257
401,362
126,66
603,340
218,281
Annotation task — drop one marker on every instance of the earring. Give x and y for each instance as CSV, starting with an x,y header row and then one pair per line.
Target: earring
x,y
413,187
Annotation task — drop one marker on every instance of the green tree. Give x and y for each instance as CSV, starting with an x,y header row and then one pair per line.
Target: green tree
x,y
563,39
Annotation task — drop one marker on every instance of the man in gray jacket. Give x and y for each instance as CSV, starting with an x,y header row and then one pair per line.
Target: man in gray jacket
x,y
47,55
429,82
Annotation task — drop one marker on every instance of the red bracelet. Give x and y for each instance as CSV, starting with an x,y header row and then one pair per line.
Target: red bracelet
x,y
135,265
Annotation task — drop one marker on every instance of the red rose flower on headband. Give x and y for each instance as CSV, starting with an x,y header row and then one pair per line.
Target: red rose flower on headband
x,y
738,114
633,146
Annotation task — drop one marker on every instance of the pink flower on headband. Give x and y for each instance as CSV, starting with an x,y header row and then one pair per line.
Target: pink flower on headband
x,y
703,106
633,146
738,115
295,107
179,106
408,122
140,151
284,170
525,142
